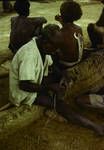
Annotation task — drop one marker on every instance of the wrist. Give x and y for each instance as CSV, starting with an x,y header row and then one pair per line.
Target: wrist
x,y
43,87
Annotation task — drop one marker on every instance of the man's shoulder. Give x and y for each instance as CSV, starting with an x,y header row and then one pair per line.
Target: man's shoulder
x,y
37,20
28,48
70,26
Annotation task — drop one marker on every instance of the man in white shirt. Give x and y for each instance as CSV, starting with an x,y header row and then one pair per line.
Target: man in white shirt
x,y
30,66
28,71
27,65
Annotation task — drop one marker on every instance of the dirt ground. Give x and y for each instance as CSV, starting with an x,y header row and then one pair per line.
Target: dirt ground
x,y
49,133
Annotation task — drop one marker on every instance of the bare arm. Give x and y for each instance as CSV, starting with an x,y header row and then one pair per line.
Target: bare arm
x,y
28,86
38,20
59,19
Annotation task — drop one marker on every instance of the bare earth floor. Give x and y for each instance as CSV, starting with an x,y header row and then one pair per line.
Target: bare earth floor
x,y
49,133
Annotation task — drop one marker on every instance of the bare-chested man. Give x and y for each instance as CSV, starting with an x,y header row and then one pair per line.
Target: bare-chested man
x,y
72,50
23,28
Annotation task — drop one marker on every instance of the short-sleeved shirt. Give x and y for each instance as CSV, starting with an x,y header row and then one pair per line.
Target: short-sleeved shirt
x,y
27,64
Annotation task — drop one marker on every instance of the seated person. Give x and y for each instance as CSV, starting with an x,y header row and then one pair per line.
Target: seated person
x,y
72,49
7,6
28,69
23,28
96,32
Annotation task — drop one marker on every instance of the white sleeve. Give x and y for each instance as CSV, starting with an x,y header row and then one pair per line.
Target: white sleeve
x,y
27,67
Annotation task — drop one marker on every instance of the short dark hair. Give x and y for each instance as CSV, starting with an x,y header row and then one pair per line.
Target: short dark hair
x,y
22,7
102,1
49,31
70,11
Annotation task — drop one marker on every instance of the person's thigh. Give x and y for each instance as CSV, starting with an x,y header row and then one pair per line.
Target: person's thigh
x,y
44,100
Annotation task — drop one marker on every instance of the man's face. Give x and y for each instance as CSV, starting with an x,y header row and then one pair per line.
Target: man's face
x,y
49,48
54,43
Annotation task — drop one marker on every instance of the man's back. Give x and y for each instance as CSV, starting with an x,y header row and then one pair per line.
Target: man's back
x,y
71,33
23,29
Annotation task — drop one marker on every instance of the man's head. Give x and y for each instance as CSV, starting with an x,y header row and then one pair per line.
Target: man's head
x,y
102,1
22,7
70,11
51,38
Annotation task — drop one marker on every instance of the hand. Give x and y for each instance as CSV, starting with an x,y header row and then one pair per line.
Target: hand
x,y
64,83
56,87
43,20
58,18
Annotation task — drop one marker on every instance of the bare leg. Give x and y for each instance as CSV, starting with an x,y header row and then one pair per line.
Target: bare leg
x,y
64,110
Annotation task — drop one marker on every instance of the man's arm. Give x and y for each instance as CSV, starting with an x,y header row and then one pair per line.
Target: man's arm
x,y
59,19
28,86
37,21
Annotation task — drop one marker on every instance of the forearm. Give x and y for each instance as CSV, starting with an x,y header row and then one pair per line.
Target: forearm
x,y
59,19
30,87
34,87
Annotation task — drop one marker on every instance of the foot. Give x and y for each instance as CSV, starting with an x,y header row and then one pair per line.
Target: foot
x,y
53,115
99,130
